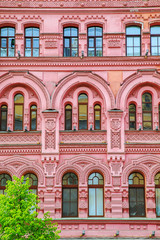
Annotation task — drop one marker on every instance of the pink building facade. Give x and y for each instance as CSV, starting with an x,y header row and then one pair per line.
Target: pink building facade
x,y
80,111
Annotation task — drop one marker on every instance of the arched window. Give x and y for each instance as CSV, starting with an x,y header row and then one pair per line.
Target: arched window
x,y
70,42
95,42
70,195
3,120
147,111
133,41
83,111
132,117
136,195
33,181
7,42
68,117
157,186
97,117
32,42
155,40
33,118
3,182
159,115
95,187
18,112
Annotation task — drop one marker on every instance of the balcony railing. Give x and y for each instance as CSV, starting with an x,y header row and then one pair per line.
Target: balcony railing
x,y
142,137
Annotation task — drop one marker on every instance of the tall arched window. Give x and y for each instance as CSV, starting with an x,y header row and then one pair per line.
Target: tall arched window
x,y
133,41
33,181
70,195
95,42
155,40
68,117
95,187
33,118
136,195
97,117
70,42
83,111
147,111
3,120
18,112
132,117
7,42
157,186
3,181
32,42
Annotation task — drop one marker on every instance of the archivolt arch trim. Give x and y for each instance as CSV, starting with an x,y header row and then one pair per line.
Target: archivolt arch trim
x,y
76,78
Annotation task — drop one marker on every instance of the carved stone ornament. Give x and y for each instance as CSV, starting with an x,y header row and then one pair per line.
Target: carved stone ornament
x,y
50,124
115,124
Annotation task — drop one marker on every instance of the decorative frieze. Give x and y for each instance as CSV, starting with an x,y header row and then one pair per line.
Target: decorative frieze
x,y
142,137
99,148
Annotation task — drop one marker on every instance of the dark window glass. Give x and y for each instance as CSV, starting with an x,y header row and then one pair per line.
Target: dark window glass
x,y
18,112
70,42
157,186
83,111
147,111
70,195
31,42
7,42
3,182
3,126
132,117
95,187
155,40
133,41
33,118
97,117
136,195
68,117
95,42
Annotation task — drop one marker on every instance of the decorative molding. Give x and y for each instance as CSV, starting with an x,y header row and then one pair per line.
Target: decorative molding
x,y
80,148
114,43
20,149
142,148
50,44
142,137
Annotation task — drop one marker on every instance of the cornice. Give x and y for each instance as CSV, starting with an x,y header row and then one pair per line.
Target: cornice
x,y
142,148
20,150
78,62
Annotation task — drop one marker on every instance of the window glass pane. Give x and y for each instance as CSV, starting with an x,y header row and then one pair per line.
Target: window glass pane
x,y
98,31
91,42
158,202
66,42
19,98
66,52
28,42
130,41
97,120
99,196
95,181
154,41
91,52
74,43
74,52
99,42
92,202
133,30
68,120
98,52
83,98
136,51
147,125
155,30
18,121
11,42
74,32
82,116
146,97
157,179
3,121
154,51
67,32
28,52
91,31
147,117
11,52
35,32
28,32
35,52
66,194
3,52
137,41
4,32
132,125
35,42
11,31
129,51
74,194
3,42
132,116
33,120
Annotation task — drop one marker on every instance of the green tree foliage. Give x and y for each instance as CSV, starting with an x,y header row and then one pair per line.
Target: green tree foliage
x,y
18,217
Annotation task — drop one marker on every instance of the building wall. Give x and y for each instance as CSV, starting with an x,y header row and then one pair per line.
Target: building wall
x,y
113,80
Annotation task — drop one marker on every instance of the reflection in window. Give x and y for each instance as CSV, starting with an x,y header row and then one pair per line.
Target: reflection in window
x,y
97,117
155,40
3,120
95,187
136,195
95,41
18,112
132,117
3,182
147,111
70,195
70,42
133,41
7,42
31,42
83,110
157,186
33,118
68,117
